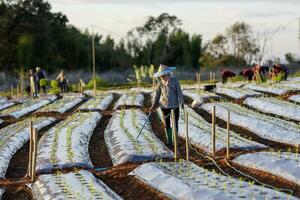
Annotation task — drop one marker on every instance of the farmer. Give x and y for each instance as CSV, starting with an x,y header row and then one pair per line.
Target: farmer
x,y
62,81
277,69
247,74
33,84
227,74
40,75
170,90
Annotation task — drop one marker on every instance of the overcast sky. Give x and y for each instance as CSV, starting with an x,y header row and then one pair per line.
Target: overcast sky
x,y
205,17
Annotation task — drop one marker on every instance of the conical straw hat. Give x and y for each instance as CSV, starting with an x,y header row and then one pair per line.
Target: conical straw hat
x,y
163,70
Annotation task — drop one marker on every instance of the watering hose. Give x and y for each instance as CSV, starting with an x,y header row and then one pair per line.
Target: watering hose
x,y
148,118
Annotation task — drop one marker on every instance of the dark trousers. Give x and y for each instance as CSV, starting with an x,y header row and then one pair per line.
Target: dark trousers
x,y
167,117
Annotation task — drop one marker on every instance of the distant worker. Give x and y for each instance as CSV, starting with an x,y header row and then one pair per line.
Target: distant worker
x,y
279,68
247,74
170,91
62,81
40,75
32,84
227,74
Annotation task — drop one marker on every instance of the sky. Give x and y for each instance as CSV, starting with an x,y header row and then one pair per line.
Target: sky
x,y
278,19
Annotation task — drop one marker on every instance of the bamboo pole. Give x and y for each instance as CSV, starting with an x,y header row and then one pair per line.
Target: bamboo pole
x,y
30,147
174,135
199,78
213,123
12,91
214,77
95,88
187,150
228,135
153,82
18,93
34,154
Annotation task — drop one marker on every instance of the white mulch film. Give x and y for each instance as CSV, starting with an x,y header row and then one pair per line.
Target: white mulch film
x,y
143,90
130,99
293,78
66,144
120,138
295,98
275,106
199,96
283,164
231,84
74,185
100,102
13,137
185,180
200,134
62,105
267,127
267,88
194,86
6,104
235,92
20,110
72,95
2,99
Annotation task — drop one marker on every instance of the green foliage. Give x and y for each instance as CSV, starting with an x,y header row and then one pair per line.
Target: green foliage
x,y
237,78
209,61
297,74
99,83
279,77
54,87
73,88
44,82
54,84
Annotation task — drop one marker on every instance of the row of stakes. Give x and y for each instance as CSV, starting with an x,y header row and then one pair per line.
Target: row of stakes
x,y
34,141
34,138
187,142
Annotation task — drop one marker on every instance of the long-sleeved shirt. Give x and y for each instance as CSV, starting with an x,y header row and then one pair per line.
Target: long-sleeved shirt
x,y
170,92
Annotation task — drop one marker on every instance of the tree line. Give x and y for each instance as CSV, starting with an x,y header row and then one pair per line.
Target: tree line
x,y
32,35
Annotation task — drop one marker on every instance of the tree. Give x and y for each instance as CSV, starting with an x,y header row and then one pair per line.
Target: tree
x,y
153,28
218,46
241,41
290,57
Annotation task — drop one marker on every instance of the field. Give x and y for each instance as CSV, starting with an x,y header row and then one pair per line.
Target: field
x,y
88,146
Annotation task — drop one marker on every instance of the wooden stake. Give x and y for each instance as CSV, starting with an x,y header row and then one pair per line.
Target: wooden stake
x,y
199,78
187,150
213,126
18,88
228,135
12,91
214,77
34,154
95,88
153,82
174,135
30,147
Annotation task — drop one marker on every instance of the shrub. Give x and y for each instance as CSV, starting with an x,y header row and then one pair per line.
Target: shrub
x,y
44,82
54,84
99,83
